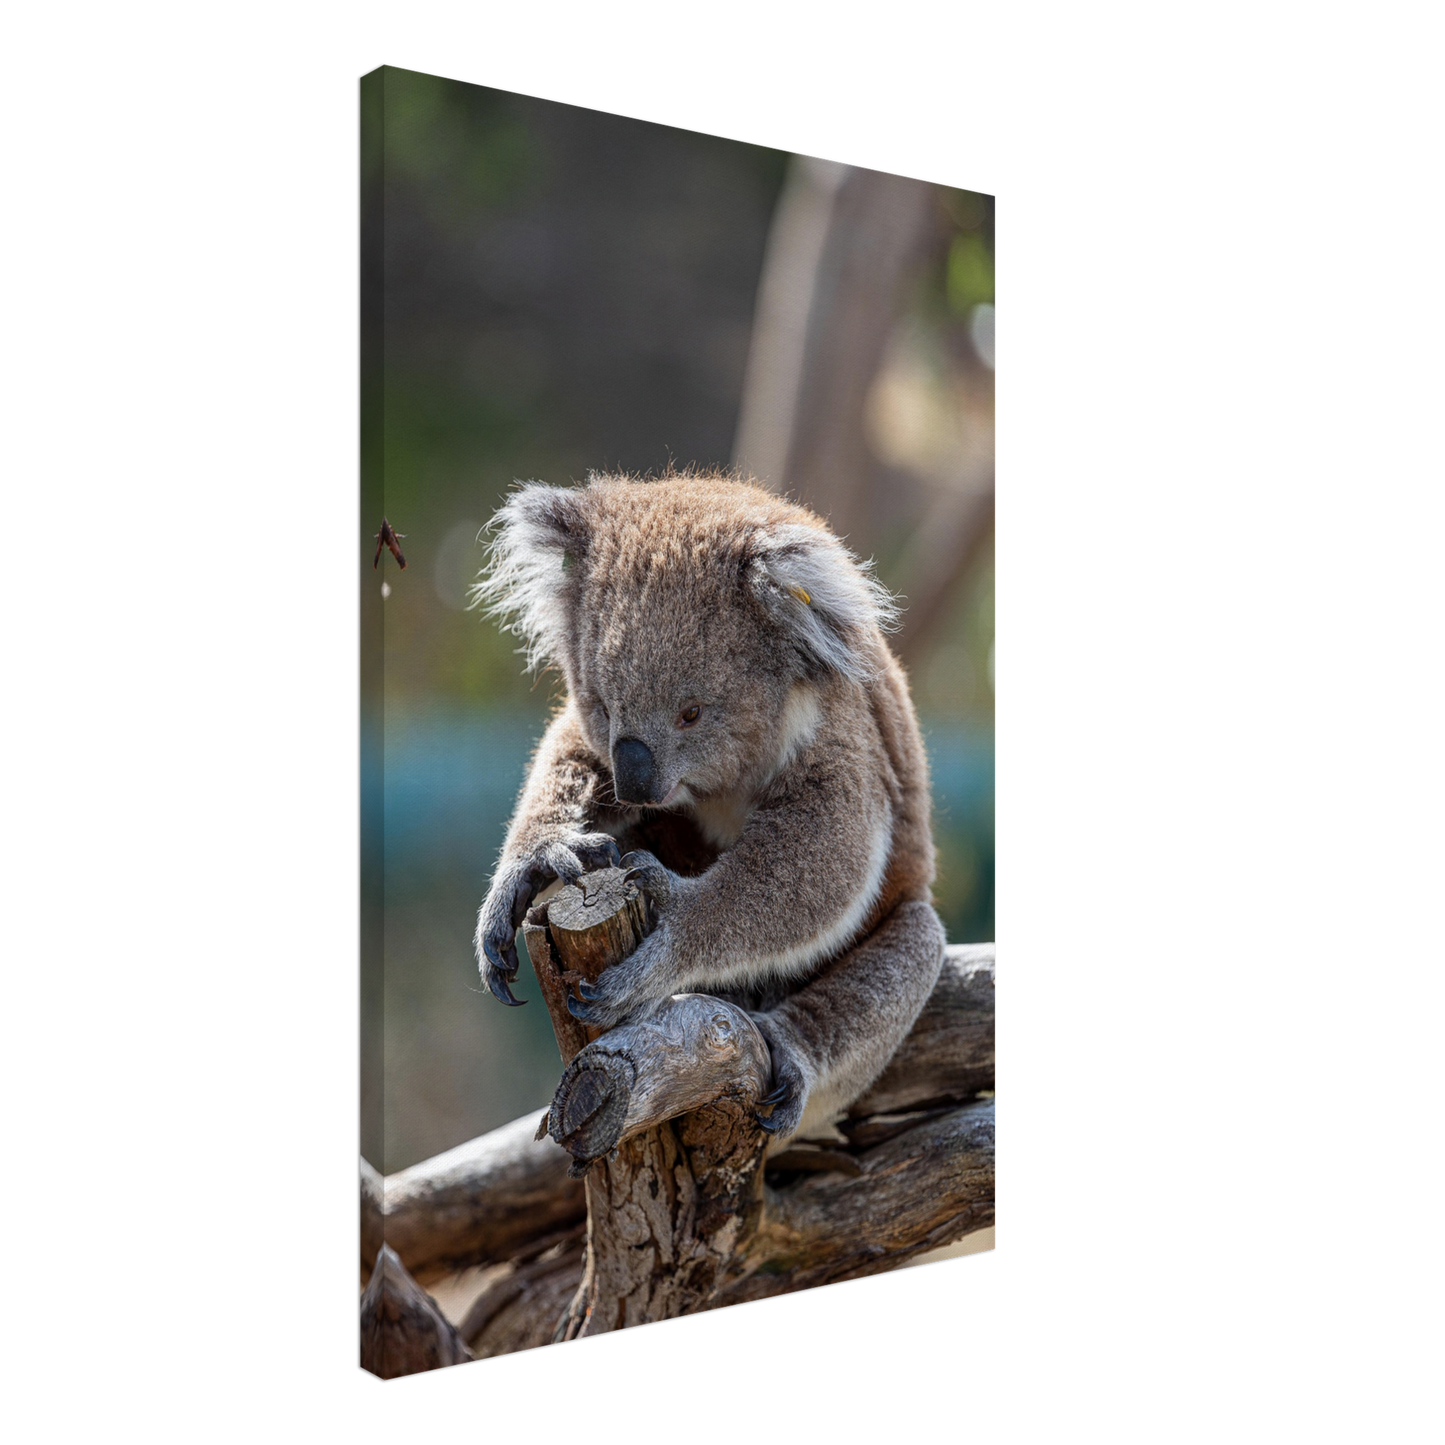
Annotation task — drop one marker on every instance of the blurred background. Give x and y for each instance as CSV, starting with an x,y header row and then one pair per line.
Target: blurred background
x,y
567,291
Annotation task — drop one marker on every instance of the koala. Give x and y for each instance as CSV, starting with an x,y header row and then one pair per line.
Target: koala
x,y
736,726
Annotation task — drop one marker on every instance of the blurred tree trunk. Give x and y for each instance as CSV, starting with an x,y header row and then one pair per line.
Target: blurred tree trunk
x,y
844,249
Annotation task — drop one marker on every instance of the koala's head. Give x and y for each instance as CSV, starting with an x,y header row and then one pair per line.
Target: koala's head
x,y
693,617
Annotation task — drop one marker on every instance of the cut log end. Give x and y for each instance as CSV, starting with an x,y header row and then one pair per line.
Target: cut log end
x,y
590,1107
688,1053
597,921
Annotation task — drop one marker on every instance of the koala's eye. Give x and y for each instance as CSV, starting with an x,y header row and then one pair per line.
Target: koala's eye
x,y
689,715
602,708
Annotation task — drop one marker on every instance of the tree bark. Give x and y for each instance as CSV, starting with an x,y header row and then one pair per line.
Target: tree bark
x,y
506,1194
928,1183
480,1203
921,1188
668,1101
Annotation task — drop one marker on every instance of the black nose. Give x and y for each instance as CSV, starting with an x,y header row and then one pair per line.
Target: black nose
x,y
632,770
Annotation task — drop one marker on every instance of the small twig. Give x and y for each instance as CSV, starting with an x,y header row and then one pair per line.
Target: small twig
x,y
389,538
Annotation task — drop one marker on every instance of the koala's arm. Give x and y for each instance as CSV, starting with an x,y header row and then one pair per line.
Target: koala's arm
x,y
793,890
552,835
787,901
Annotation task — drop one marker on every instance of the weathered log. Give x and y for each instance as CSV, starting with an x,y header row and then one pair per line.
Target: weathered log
x,y
402,1330
598,923
665,1215
487,1201
483,1202
921,1189
510,1282
694,1050
520,1310
925,1187
669,1204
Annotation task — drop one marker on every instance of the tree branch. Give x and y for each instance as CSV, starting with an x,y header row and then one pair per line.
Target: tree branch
x,y
486,1200
927,1184
483,1202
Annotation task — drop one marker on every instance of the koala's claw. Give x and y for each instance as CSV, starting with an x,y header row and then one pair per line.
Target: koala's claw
x,y
649,875
501,970
515,888
615,994
787,1112
498,986
502,956
789,1095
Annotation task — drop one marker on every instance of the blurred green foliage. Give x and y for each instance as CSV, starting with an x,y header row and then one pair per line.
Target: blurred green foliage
x,y
968,273
460,146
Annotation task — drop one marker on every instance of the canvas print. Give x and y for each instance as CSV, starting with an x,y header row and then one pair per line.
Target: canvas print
x,y
676,590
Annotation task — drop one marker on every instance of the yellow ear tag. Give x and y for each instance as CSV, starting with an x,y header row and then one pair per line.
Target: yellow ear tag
x,y
800,594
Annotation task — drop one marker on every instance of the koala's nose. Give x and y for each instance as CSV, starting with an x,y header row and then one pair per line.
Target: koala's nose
x,y
632,770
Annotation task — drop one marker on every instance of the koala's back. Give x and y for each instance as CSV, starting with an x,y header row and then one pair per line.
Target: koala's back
x,y
912,862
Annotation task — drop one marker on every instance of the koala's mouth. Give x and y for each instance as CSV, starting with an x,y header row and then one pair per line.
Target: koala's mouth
x,y
678,795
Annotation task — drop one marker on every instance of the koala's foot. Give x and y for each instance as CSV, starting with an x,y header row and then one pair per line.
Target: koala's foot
x,y
654,882
517,882
631,987
789,1096
647,975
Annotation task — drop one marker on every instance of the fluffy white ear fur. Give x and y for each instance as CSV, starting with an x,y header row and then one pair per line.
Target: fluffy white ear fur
x,y
524,581
826,597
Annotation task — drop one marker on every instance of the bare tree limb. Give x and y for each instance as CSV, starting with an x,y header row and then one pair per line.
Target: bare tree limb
x,y
926,1185
483,1202
694,1050
786,300
668,1205
923,1188
489,1200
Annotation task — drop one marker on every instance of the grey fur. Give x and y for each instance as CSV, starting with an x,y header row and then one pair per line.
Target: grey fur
x,y
789,850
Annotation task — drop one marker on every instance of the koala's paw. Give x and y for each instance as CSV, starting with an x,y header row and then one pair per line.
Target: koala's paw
x,y
789,1094
653,881
517,882
626,988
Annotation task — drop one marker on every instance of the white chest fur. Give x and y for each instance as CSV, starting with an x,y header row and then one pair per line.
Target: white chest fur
x,y
721,817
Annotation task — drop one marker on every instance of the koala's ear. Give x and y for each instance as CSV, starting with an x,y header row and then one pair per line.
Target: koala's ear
x,y
825,598
539,537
